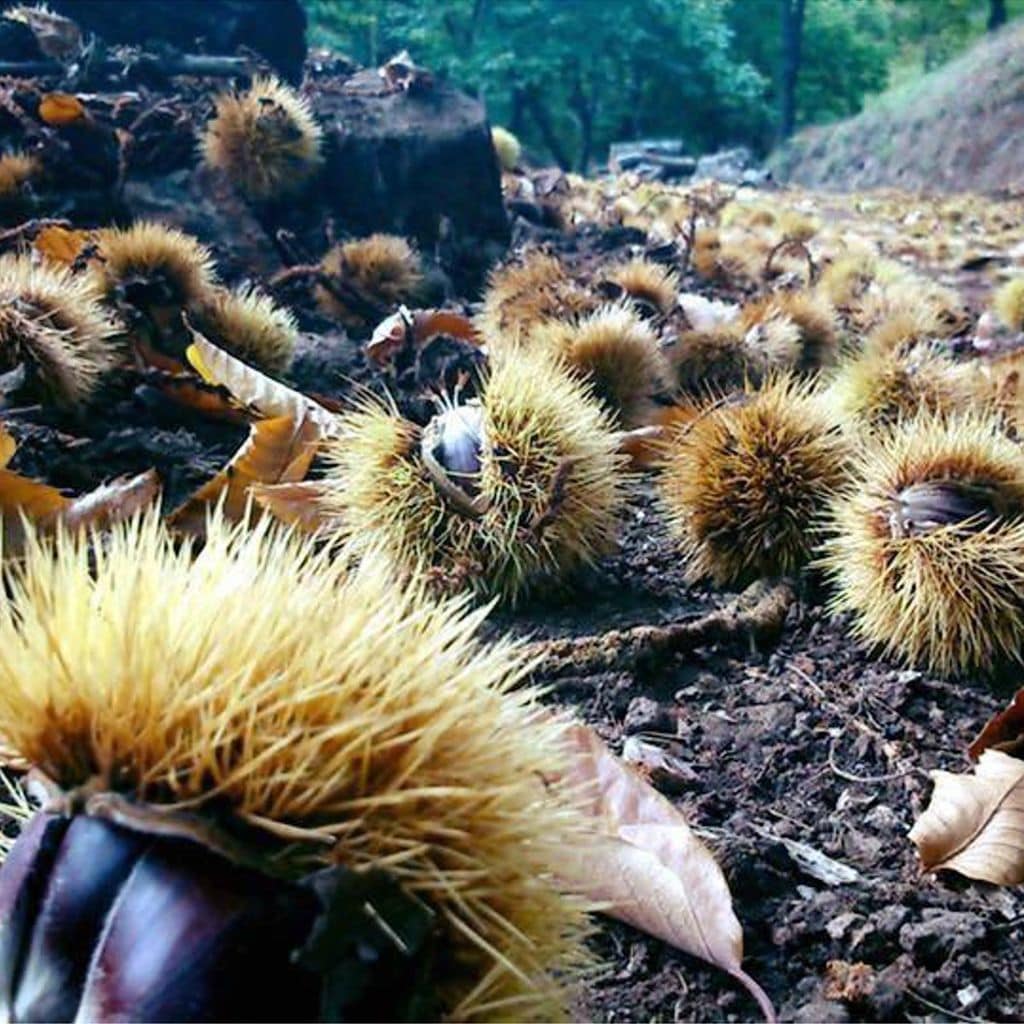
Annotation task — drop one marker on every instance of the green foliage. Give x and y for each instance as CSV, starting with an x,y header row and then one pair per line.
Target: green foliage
x,y
571,76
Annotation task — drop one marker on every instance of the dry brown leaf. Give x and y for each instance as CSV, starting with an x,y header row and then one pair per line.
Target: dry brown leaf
x,y
647,865
277,450
60,244
296,504
974,824
111,502
254,389
419,327
24,499
60,108
1003,731
8,446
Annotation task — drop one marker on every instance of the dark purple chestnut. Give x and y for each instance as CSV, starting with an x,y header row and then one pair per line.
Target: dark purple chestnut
x,y
103,923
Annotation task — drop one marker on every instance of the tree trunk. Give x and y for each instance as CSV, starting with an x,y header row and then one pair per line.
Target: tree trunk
x,y
542,118
792,44
583,110
996,14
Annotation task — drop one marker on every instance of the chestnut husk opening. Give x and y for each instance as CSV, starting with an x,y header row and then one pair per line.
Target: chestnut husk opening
x,y
99,922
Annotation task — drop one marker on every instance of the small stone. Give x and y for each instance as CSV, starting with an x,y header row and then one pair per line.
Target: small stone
x,y
821,1011
646,715
841,924
968,996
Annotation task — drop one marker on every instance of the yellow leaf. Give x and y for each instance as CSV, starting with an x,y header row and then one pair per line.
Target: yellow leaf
x,y
61,245
261,394
60,108
974,824
296,504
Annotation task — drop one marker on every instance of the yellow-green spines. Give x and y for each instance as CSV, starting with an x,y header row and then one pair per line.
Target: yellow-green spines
x,y
163,265
507,146
548,492
265,140
272,684
615,351
746,483
384,270
54,323
522,295
1009,303
250,325
927,545
879,389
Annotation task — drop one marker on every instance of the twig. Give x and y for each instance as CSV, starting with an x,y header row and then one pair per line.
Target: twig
x,y
200,65
942,1009
757,616
850,777
791,243
28,230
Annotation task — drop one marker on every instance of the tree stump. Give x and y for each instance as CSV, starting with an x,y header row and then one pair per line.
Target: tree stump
x,y
410,162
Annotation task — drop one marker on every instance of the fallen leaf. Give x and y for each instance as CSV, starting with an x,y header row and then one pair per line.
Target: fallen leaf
x,y
60,244
420,328
1003,731
61,108
277,450
647,865
254,389
23,499
703,314
974,824
296,504
8,446
111,502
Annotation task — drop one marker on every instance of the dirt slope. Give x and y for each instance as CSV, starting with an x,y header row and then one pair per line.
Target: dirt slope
x,y
959,128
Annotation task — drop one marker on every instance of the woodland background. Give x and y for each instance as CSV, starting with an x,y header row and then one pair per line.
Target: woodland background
x,y
571,76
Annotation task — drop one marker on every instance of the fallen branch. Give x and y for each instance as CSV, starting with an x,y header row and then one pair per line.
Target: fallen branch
x,y
200,65
756,616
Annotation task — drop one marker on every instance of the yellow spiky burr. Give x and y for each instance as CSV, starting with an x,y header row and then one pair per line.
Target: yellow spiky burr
x,y
927,544
262,709
53,323
497,497
265,140
615,351
250,325
746,483
524,294
377,273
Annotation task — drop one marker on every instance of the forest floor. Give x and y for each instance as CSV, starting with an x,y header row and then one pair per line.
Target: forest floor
x,y
803,766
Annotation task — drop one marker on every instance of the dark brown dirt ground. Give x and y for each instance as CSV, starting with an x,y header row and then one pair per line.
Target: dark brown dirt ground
x,y
815,742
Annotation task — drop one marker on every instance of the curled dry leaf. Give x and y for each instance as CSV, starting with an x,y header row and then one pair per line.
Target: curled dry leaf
x,y
296,504
22,498
417,329
255,390
60,108
648,867
278,450
974,824
1003,731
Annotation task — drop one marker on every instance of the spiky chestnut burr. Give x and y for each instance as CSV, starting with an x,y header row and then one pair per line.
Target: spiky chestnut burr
x,y
815,320
526,486
652,287
745,484
1008,303
876,389
265,140
220,726
926,547
250,325
381,270
151,265
17,170
613,350
53,323
507,147
520,296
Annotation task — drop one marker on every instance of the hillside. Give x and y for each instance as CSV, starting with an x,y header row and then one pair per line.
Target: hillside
x,y
957,128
